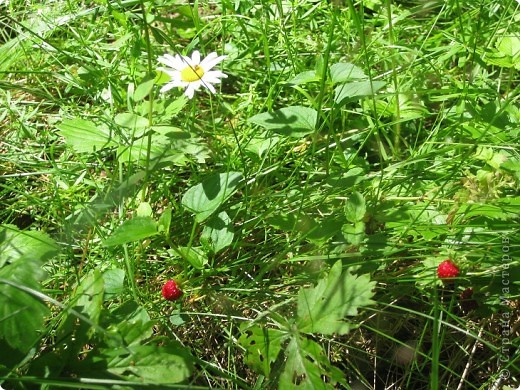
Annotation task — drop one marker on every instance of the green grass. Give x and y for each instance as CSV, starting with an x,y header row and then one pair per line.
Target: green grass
x,y
303,208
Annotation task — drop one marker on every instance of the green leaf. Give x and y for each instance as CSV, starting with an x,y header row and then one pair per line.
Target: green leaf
x,y
16,245
218,232
510,46
143,90
344,71
355,207
205,198
307,366
79,324
130,322
114,282
22,313
262,347
131,121
262,144
165,221
85,137
144,210
305,77
354,233
194,255
323,308
356,89
153,364
293,121
134,229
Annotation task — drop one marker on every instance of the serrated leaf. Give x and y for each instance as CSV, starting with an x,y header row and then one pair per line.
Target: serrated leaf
x,y
262,347
356,89
134,229
16,244
21,313
131,322
218,232
22,254
206,197
344,71
153,364
88,299
307,366
293,121
355,207
323,308
85,137
354,233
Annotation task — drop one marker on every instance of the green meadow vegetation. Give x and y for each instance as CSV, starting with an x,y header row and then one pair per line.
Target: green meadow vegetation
x,y
332,156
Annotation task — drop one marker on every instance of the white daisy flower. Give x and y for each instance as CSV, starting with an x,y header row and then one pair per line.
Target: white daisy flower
x,y
191,73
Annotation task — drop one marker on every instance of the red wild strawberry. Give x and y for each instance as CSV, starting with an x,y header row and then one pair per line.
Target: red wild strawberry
x,y
447,270
171,291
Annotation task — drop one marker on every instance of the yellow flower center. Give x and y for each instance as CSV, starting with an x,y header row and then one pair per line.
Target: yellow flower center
x,y
192,73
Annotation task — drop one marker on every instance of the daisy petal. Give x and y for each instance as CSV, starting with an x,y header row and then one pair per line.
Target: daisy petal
x,y
209,62
195,58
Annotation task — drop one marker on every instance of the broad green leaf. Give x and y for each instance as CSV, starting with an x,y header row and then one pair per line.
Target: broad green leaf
x,y
114,282
144,210
79,324
305,77
354,233
307,366
262,347
130,322
143,90
85,137
22,313
131,121
153,364
344,71
194,255
88,301
218,232
293,121
206,197
262,144
16,244
161,151
134,229
323,308
510,46
355,208
356,89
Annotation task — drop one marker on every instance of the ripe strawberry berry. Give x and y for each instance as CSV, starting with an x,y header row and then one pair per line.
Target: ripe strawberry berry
x,y
171,291
447,270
